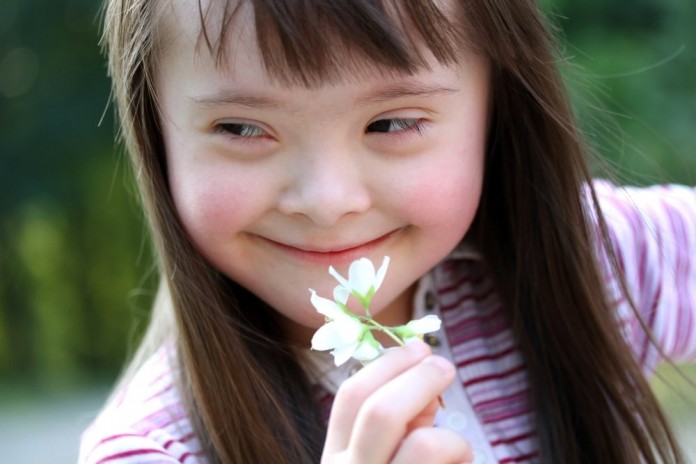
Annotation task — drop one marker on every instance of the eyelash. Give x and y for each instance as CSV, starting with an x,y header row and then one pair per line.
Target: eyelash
x,y
240,130
402,125
394,126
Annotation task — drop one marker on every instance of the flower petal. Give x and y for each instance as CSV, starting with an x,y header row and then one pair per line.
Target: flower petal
x,y
350,328
343,353
361,276
366,352
430,323
381,272
341,294
339,277
326,338
325,306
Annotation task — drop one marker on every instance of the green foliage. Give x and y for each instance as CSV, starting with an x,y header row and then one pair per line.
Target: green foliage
x,y
633,66
76,274
74,252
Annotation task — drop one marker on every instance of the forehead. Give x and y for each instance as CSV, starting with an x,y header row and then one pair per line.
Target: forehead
x,y
312,44
199,24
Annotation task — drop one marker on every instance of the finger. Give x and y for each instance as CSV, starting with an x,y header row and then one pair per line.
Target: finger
x,y
426,418
354,391
433,445
384,418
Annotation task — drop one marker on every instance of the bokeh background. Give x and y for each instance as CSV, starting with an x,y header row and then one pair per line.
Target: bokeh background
x,y
76,273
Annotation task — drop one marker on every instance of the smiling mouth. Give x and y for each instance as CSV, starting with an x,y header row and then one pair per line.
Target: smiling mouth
x,y
333,256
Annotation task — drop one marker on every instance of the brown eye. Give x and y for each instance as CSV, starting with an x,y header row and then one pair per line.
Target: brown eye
x,y
394,125
241,129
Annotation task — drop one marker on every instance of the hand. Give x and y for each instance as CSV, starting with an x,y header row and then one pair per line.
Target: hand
x,y
385,413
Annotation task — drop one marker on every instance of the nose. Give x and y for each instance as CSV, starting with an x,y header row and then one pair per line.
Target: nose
x,y
326,186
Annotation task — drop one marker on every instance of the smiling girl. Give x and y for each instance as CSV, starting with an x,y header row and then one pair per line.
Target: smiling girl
x,y
273,139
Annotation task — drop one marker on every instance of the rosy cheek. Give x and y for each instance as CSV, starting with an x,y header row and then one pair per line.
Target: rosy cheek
x,y
209,203
439,196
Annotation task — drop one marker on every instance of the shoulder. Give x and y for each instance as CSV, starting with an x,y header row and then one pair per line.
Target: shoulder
x,y
650,225
664,208
656,222
145,421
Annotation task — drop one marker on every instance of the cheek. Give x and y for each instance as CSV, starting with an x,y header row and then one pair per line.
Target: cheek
x,y
443,195
211,203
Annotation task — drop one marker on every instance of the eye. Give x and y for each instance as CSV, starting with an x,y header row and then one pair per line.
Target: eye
x,y
395,125
240,129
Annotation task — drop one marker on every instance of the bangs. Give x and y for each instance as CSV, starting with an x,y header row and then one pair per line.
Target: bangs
x,y
310,42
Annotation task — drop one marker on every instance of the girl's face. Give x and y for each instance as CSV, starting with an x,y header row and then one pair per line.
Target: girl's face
x,y
274,183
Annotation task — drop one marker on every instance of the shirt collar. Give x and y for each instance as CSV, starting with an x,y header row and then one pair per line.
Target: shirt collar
x,y
465,251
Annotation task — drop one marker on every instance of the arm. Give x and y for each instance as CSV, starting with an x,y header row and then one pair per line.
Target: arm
x,y
653,232
144,421
127,446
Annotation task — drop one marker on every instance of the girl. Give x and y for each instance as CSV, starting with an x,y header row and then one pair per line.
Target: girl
x,y
272,139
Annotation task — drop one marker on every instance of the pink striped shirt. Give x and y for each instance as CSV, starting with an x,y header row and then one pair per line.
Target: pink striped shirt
x,y
654,233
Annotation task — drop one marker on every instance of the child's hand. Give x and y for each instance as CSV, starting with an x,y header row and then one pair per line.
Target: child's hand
x,y
385,413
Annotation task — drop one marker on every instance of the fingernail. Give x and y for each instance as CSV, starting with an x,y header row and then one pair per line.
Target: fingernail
x,y
417,347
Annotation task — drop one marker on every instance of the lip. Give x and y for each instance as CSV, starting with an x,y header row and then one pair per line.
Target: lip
x,y
334,256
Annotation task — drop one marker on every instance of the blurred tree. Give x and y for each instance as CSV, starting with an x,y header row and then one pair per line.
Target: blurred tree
x,y
633,82
72,244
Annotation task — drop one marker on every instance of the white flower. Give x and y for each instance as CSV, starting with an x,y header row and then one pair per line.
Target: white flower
x,y
425,324
366,350
349,335
362,281
342,332
416,329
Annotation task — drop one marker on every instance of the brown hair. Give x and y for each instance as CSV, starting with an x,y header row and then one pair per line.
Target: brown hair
x,y
247,395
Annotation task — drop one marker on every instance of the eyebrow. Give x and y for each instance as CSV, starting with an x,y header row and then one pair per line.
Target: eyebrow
x,y
236,97
379,95
411,89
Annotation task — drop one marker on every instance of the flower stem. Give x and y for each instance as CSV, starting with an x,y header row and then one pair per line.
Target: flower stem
x,y
386,330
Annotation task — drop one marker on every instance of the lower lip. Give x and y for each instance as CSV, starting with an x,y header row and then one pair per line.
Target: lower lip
x,y
334,258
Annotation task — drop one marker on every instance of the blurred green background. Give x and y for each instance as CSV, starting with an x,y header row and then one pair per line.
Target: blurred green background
x,y
76,275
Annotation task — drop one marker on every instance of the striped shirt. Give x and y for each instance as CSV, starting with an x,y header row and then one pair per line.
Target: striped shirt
x,y
653,231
